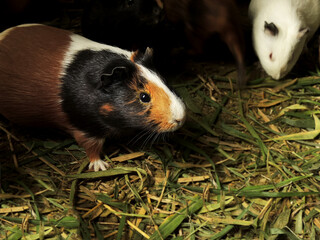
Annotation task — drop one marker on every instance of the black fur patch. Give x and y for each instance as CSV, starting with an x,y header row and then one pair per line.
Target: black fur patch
x,y
271,28
96,78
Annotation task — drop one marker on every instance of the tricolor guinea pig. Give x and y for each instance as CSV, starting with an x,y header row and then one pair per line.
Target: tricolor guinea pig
x,y
203,18
54,78
281,29
128,24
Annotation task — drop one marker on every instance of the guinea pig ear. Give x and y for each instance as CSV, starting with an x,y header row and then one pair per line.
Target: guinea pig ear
x,y
136,55
270,29
118,73
145,59
148,54
303,32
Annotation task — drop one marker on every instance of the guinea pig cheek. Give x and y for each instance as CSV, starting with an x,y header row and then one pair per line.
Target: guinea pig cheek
x,y
159,112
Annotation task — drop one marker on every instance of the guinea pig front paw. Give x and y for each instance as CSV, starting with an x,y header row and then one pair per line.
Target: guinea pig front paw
x,y
98,165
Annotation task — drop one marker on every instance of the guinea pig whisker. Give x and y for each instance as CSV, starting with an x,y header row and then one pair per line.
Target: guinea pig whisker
x,y
148,138
152,138
155,138
164,136
139,136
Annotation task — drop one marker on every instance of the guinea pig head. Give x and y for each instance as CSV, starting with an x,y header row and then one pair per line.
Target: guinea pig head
x,y
279,46
118,95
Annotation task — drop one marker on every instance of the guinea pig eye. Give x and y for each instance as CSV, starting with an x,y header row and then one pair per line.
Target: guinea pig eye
x,y
145,97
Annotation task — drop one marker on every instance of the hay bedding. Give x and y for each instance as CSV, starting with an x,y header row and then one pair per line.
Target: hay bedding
x,y
246,165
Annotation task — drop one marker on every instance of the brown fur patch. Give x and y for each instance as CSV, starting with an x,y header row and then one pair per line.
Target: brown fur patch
x,y
92,146
4,33
31,58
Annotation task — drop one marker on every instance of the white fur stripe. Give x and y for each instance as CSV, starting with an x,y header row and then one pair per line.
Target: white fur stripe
x,y
177,107
79,43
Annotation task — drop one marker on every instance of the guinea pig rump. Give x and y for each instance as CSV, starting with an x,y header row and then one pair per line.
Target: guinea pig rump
x,y
29,67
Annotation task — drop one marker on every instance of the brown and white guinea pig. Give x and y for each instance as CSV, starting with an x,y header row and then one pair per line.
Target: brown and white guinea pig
x,y
203,18
54,78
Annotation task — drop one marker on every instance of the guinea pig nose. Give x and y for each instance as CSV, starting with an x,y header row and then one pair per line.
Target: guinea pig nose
x,y
179,121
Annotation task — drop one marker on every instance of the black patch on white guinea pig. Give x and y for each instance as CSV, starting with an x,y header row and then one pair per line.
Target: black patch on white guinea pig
x,y
54,78
128,24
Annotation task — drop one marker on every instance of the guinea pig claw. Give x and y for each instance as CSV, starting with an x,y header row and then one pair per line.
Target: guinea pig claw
x,y
98,165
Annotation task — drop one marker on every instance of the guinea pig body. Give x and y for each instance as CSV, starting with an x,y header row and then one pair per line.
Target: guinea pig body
x,y
203,18
281,29
127,24
54,78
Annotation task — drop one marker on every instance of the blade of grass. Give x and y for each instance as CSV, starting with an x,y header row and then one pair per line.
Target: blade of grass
x,y
188,100
84,229
230,227
110,201
236,133
97,231
291,107
200,151
37,212
264,150
68,222
306,81
248,194
107,173
310,135
136,194
122,225
173,222
203,124
74,182
276,186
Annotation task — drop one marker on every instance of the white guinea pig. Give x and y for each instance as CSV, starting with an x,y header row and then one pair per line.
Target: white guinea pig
x,y
281,29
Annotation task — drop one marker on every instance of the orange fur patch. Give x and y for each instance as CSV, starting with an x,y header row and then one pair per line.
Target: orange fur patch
x,y
158,107
160,104
106,108
133,56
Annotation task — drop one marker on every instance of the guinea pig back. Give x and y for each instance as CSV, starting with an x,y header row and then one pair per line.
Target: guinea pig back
x,y
54,78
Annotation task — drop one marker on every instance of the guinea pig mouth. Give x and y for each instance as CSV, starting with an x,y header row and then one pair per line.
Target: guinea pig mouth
x,y
178,123
171,126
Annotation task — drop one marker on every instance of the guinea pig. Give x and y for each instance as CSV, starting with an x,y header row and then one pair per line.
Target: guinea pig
x,y
128,24
203,18
51,77
281,29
